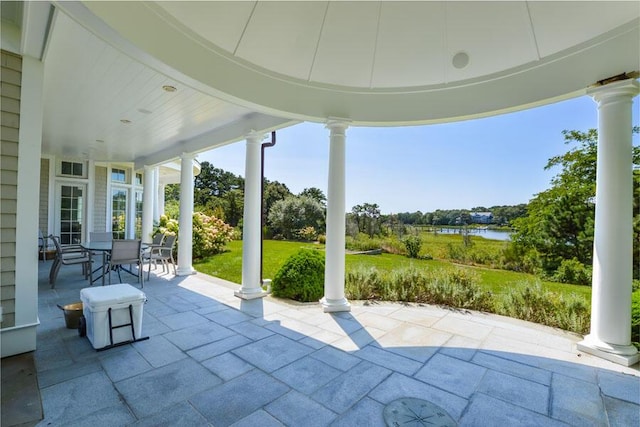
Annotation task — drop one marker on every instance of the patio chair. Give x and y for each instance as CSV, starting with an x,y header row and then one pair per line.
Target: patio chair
x,y
156,243
164,254
42,246
125,252
68,255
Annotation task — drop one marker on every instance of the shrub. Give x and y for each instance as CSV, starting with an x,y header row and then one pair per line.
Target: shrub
x,y
307,234
301,277
413,245
210,234
363,283
362,242
635,318
537,305
573,271
322,239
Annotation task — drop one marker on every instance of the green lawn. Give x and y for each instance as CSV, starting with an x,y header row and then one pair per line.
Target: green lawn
x,y
228,265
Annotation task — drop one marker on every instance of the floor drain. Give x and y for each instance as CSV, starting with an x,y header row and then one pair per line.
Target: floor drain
x,y
411,412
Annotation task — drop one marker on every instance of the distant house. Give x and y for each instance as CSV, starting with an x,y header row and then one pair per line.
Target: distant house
x,y
481,217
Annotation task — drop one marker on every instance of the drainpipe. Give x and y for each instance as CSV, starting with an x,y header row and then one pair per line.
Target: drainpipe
x,y
262,215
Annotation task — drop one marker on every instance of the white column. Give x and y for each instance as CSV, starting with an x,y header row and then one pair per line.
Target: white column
x,y
251,223
160,199
156,190
610,335
334,299
147,203
185,222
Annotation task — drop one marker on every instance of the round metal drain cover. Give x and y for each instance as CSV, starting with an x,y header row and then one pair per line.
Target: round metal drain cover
x,y
411,412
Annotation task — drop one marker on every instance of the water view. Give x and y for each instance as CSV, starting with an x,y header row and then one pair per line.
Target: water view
x,y
485,233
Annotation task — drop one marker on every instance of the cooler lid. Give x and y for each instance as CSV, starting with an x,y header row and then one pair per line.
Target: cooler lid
x,y
111,294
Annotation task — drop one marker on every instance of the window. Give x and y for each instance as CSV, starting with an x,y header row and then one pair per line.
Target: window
x,y
71,209
119,213
138,214
118,175
138,179
72,169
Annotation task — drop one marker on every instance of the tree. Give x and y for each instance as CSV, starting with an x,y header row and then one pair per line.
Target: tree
x,y
559,221
367,217
287,217
214,182
315,194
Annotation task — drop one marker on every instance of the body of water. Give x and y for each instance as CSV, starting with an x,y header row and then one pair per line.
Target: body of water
x,y
487,234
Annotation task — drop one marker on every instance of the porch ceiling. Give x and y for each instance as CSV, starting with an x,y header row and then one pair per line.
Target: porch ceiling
x,y
264,65
100,103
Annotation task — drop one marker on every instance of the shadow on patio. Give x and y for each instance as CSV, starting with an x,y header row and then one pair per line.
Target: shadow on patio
x,y
214,359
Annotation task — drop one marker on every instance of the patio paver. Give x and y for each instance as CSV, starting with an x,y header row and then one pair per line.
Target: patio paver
x,y
213,359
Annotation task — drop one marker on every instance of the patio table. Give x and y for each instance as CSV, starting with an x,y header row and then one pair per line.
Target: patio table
x,y
104,248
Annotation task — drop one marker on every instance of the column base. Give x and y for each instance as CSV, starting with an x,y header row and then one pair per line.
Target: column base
x,y
335,305
625,355
185,271
250,294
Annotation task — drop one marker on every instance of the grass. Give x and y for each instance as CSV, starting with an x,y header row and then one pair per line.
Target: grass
x,y
228,265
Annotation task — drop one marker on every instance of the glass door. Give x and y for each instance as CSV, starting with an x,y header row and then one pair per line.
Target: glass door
x,y
70,213
119,213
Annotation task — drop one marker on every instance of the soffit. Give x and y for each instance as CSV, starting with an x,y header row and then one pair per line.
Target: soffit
x,y
385,63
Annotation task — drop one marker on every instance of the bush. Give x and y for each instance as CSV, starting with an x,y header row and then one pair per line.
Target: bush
x,y
635,318
573,271
307,234
413,245
362,242
537,305
322,239
301,277
210,234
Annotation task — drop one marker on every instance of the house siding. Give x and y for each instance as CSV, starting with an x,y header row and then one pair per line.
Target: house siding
x,y
43,213
100,199
10,80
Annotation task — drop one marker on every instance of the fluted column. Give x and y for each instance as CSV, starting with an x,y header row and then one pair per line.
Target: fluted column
x,y
334,299
610,335
251,223
147,203
185,222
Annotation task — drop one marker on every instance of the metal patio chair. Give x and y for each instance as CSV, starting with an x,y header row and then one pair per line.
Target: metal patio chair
x,y
126,252
164,254
68,255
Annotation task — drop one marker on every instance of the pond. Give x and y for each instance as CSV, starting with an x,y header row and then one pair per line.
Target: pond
x,y
487,234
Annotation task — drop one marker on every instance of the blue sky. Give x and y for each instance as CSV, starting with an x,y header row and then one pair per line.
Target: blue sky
x,y
485,162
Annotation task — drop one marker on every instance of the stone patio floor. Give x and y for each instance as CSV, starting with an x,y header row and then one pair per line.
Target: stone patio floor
x,y
213,359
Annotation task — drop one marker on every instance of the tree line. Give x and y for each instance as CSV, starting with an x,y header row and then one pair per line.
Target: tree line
x,y
552,237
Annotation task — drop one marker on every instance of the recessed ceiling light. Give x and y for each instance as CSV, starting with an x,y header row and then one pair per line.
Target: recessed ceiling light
x,y
168,88
460,60
100,141
125,121
144,111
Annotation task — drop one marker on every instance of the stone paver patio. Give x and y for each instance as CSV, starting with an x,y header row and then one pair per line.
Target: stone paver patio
x,y
213,359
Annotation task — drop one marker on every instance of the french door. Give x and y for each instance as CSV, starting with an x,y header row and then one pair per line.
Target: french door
x,y
70,212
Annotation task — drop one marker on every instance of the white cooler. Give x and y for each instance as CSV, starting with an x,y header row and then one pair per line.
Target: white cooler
x,y
96,303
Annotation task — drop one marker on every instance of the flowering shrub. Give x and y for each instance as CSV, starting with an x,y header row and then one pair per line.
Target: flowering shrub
x,y
308,234
210,234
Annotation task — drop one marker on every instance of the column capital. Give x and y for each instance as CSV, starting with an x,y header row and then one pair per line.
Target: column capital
x,y
254,137
188,156
629,87
336,125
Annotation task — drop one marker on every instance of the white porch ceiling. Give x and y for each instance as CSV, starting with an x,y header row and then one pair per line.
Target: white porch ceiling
x,y
263,65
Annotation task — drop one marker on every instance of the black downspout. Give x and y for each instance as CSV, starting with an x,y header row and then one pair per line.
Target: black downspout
x,y
262,213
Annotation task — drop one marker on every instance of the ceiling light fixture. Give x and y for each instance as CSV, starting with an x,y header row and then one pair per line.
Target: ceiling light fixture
x,y
168,88
460,60
125,121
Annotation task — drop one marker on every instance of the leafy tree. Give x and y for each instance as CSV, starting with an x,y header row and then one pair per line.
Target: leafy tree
x,y
214,182
273,191
287,217
315,194
367,217
559,222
